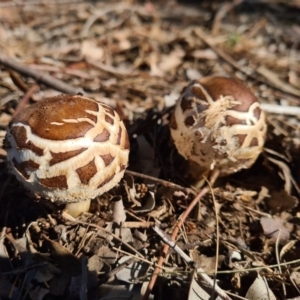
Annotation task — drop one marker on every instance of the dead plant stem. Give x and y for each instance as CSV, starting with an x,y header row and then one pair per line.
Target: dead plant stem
x,y
166,247
38,76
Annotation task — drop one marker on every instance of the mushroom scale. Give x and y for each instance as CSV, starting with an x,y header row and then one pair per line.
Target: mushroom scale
x,y
218,123
67,148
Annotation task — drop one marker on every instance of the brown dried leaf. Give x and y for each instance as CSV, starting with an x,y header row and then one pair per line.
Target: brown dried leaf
x,y
280,201
67,262
107,255
274,229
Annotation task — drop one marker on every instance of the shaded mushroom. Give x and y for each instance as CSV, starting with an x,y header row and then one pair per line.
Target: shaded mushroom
x,y
218,123
68,149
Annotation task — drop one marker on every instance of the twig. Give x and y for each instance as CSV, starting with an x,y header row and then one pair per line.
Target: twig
x,y
39,2
118,269
83,240
161,181
222,54
166,247
111,70
172,244
134,216
38,76
256,269
131,224
18,81
256,211
280,109
26,98
274,83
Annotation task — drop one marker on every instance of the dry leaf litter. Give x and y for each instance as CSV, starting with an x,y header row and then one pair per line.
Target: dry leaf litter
x,y
137,56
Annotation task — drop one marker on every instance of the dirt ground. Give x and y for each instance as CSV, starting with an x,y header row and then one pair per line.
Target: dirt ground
x,y
241,240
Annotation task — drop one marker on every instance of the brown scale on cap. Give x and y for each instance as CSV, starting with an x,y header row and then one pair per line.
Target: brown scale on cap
x,y
61,156
67,148
102,137
107,158
218,123
22,141
58,182
87,172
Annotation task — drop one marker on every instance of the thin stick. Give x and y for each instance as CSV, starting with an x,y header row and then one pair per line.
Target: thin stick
x,y
280,109
161,181
26,98
172,244
18,81
166,247
39,2
118,269
38,76
132,224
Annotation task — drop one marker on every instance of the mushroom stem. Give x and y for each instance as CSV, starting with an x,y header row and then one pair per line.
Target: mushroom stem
x,y
77,208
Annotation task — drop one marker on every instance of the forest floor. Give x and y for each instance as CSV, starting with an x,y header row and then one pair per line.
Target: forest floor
x,y
137,56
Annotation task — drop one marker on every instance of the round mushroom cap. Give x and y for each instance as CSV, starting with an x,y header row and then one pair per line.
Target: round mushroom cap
x,y
67,148
218,123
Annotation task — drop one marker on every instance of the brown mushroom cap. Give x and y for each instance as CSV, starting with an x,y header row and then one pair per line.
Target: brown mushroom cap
x,y
67,148
218,123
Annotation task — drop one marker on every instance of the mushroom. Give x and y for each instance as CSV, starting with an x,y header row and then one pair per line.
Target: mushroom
x,y
68,149
218,124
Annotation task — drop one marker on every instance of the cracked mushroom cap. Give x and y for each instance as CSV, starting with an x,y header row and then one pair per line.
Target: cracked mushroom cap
x,y
218,123
67,148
